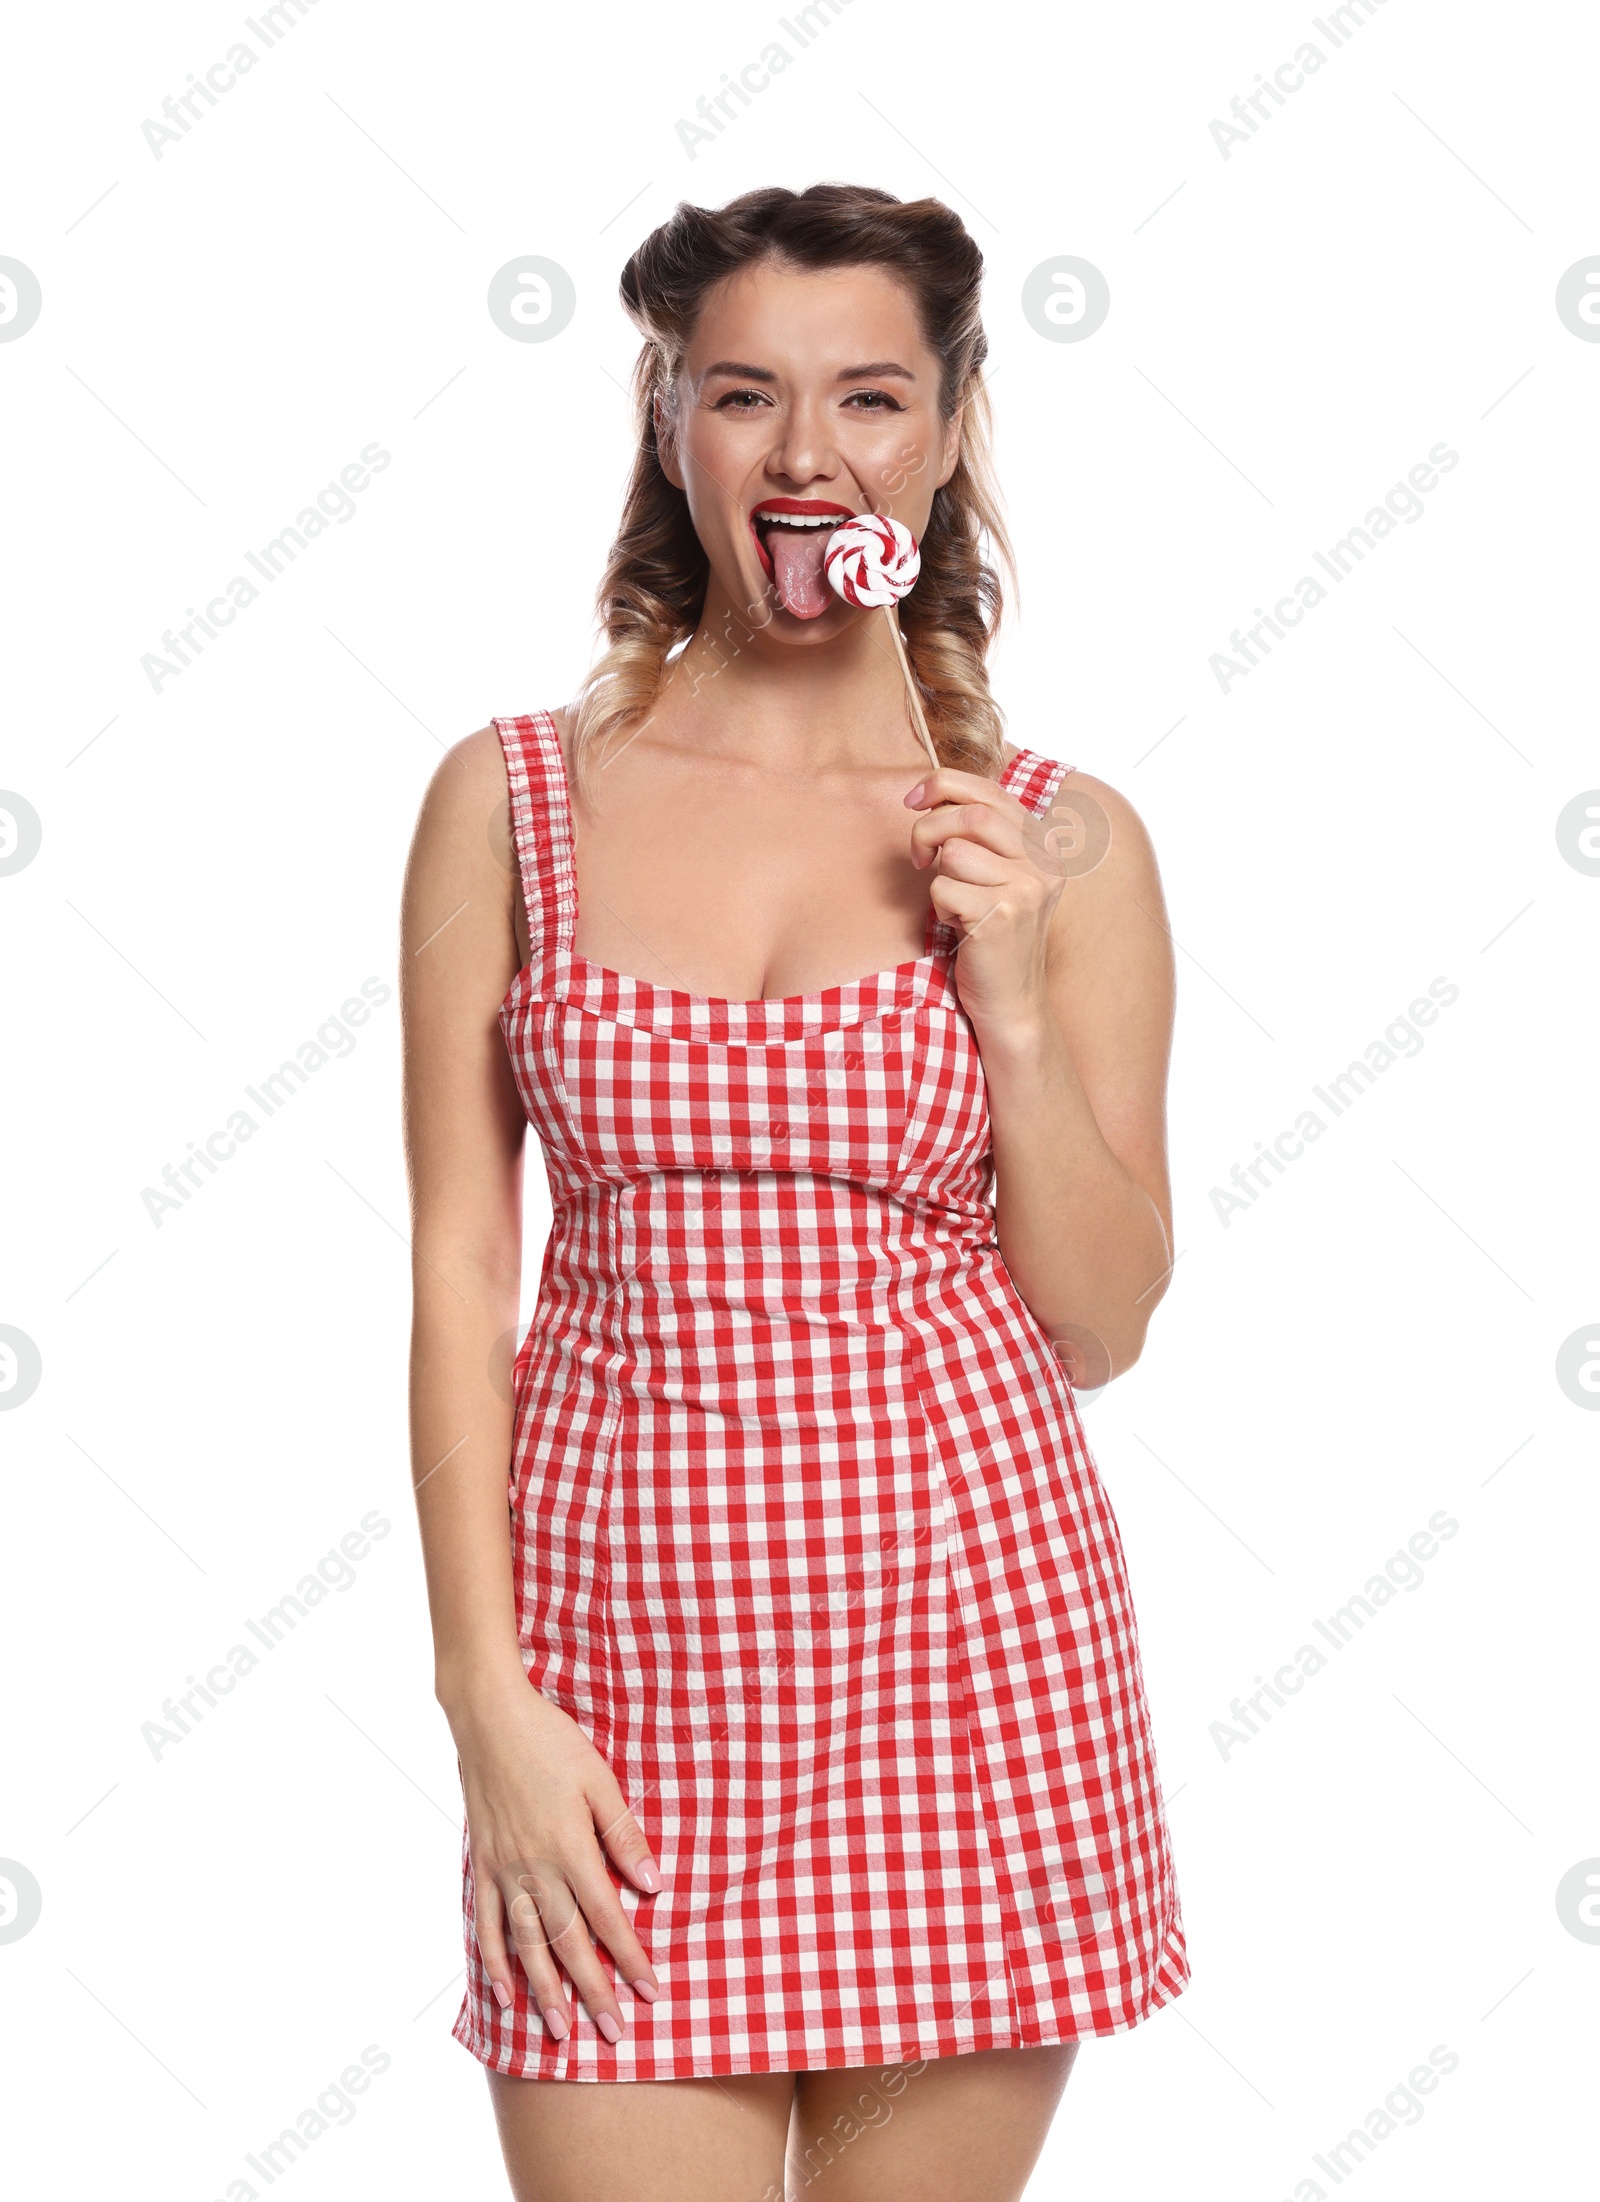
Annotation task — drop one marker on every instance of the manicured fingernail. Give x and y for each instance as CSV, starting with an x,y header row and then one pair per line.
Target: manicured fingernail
x,y
608,2026
917,792
555,2021
502,1995
646,1873
644,1989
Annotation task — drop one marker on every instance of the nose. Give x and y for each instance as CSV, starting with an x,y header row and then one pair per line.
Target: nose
x,y
804,451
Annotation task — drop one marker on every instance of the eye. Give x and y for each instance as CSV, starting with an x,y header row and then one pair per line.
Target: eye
x,y
885,403
727,404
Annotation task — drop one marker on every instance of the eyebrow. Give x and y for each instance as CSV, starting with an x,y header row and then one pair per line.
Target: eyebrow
x,y
746,373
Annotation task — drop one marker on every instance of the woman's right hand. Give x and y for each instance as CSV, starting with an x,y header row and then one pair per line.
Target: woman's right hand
x,y
543,1812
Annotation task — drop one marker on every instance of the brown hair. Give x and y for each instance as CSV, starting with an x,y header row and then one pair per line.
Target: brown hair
x,y
653,591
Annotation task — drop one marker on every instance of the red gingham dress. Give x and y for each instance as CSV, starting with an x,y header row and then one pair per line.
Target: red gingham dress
x,y
806,1534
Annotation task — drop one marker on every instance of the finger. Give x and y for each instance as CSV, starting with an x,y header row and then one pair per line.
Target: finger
x,y
532,1896
488,1914
961,857
568,1930
550,1930
976,822
624,1841
947,785
967,908
613,1929
622,1835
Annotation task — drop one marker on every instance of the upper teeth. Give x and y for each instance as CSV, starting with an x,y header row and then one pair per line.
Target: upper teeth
x,y
800,519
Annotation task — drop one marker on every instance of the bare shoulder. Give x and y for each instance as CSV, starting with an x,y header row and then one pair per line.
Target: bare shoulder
x,y
458,958
470,768
461,850
1128,836
1113,878
468,786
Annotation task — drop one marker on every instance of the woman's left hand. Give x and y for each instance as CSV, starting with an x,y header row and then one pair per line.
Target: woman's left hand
x,y
1000,876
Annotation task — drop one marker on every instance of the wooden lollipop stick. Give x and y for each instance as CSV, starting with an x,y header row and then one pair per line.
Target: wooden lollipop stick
x,y
912,698
889,538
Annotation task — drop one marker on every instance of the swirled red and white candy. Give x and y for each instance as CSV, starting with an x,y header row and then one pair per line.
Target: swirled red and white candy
x,y
872,561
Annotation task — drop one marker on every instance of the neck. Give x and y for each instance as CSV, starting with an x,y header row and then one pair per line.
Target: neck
x,y
836,699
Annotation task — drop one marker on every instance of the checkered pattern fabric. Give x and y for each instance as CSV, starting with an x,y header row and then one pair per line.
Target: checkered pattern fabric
x,y
806,1533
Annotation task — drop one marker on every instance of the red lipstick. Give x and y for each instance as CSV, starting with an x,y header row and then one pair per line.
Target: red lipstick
x,y
814,509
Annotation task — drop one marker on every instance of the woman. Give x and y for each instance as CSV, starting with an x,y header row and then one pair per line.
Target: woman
x,y
831,1820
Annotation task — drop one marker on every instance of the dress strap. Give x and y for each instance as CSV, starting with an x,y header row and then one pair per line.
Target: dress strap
x,y
1033,780
536,775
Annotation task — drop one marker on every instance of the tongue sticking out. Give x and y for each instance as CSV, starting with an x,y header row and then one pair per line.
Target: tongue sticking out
x,y
797,555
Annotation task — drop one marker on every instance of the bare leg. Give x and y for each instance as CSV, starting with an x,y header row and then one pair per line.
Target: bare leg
x,y
964,2129
644,2140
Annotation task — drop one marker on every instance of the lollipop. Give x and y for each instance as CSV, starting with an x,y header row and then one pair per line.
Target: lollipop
x,y
873,562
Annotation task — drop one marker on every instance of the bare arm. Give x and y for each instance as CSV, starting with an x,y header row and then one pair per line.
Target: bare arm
x,y
1083,1204
540,1799
464,1144
1069,984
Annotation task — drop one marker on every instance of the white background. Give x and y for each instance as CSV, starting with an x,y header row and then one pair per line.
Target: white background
x,y
1292,328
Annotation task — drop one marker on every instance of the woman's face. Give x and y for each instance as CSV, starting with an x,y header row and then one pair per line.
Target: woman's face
x,y
814,389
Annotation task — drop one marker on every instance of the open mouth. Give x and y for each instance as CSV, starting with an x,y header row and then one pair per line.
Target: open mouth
x,y
791,534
